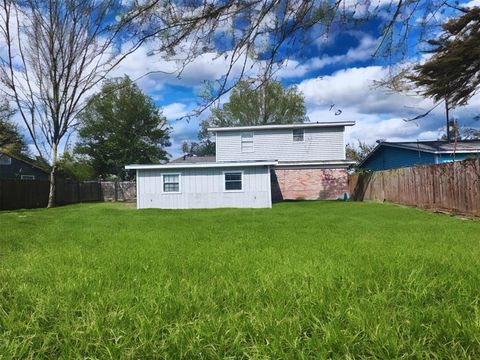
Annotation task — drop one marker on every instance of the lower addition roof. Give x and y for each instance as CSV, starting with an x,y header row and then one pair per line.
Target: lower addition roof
x,y
186,164
200,165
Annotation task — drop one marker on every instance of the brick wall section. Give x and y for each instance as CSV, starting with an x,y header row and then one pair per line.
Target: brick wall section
x,y
309,184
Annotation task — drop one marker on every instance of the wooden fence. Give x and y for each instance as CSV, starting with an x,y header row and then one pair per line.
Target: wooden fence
x,y
26,194
452,187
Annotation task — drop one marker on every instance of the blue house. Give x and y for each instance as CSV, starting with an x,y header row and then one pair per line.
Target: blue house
x,y
15,168
392,155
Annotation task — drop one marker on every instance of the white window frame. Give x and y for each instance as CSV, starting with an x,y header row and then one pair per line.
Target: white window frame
x,y
179,183
303,135
241,179
27,177
8,159
249,137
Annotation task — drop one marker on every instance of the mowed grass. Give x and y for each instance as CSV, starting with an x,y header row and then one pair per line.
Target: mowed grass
x,y
301,280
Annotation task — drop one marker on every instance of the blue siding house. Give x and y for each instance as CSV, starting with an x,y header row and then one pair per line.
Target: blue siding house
x,y
14,168
393,155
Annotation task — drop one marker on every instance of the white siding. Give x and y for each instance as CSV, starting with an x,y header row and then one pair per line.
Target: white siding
x,y
204,188
277,144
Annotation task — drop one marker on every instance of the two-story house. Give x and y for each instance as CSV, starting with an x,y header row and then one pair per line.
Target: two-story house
x,y
253,166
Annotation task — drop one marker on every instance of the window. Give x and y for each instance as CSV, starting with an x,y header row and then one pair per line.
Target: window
x,y
27,177
247,141
171,183
5,160
298,134
233,181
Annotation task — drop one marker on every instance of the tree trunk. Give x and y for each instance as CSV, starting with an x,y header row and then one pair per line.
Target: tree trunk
x,y
51,194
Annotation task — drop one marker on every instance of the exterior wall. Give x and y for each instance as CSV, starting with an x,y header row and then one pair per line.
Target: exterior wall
x,y
18,168
204,188
446,158
309,184
387,157
277,144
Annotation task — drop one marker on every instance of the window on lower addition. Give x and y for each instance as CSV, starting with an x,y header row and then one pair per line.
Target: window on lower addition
x,y
27,177
298,134
233,181
247,141
171,183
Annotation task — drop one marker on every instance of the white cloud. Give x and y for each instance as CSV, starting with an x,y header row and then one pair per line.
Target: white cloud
x,y
378,114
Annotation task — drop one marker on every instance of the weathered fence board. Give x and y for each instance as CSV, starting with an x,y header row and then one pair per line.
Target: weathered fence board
x,y
27,194
453,187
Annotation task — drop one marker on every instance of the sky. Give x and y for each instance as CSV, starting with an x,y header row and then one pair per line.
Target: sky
x,y
336,75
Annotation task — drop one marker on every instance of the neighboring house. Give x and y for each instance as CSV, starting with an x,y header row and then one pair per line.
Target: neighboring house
x,y
392,155
13,167
253,166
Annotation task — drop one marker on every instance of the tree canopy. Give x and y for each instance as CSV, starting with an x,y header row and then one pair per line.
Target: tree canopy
x,y
453,72
270,103
11,140
121,125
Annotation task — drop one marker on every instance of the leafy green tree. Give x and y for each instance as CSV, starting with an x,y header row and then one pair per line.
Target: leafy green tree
x,y
268,104
121,125
203,148
11,140
360,152
71,166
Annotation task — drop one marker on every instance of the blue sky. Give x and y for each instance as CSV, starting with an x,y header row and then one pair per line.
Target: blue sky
x,y
335,74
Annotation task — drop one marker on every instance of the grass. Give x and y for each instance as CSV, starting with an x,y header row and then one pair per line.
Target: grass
x,y
301,280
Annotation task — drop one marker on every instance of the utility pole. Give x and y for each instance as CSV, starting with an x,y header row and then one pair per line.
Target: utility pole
x,y
447,115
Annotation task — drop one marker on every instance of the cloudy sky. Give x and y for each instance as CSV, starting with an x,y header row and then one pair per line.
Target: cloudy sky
x,y
334,73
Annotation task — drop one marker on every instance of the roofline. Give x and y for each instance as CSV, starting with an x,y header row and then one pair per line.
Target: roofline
x,y
284,126
198,165
28,162
401,146
315,163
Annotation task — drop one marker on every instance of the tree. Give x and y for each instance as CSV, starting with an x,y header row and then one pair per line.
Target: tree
x,y
56,53
71,166
121,126
360,152
203,148
270,103
11,140
452,74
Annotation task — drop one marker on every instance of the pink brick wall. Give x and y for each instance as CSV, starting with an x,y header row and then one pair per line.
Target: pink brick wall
x,y
309,184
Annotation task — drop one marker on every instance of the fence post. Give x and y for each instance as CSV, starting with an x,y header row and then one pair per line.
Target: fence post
x,y
115,188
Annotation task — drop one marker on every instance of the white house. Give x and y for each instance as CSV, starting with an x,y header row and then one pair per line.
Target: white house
x,y
253,166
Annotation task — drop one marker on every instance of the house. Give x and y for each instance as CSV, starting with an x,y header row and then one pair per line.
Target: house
x,y
253,166
13,167
392,155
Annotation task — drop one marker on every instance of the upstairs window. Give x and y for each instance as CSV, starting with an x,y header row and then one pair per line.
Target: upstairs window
x,y
171,183
247,141
233,181
298,135
5,160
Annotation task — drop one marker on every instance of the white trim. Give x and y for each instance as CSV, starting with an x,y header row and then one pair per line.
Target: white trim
x,y
27,177
286,126
179,183
136,188
317,163
199,165
242,182
269,185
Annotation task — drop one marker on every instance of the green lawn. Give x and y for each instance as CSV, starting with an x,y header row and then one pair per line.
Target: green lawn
x,y
301,280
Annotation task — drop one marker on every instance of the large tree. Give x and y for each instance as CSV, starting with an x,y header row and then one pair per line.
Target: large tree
x,y
55,53
267,104
120,126
11,140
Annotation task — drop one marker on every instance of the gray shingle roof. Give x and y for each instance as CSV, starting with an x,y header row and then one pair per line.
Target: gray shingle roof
x,y
193,159
437,146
